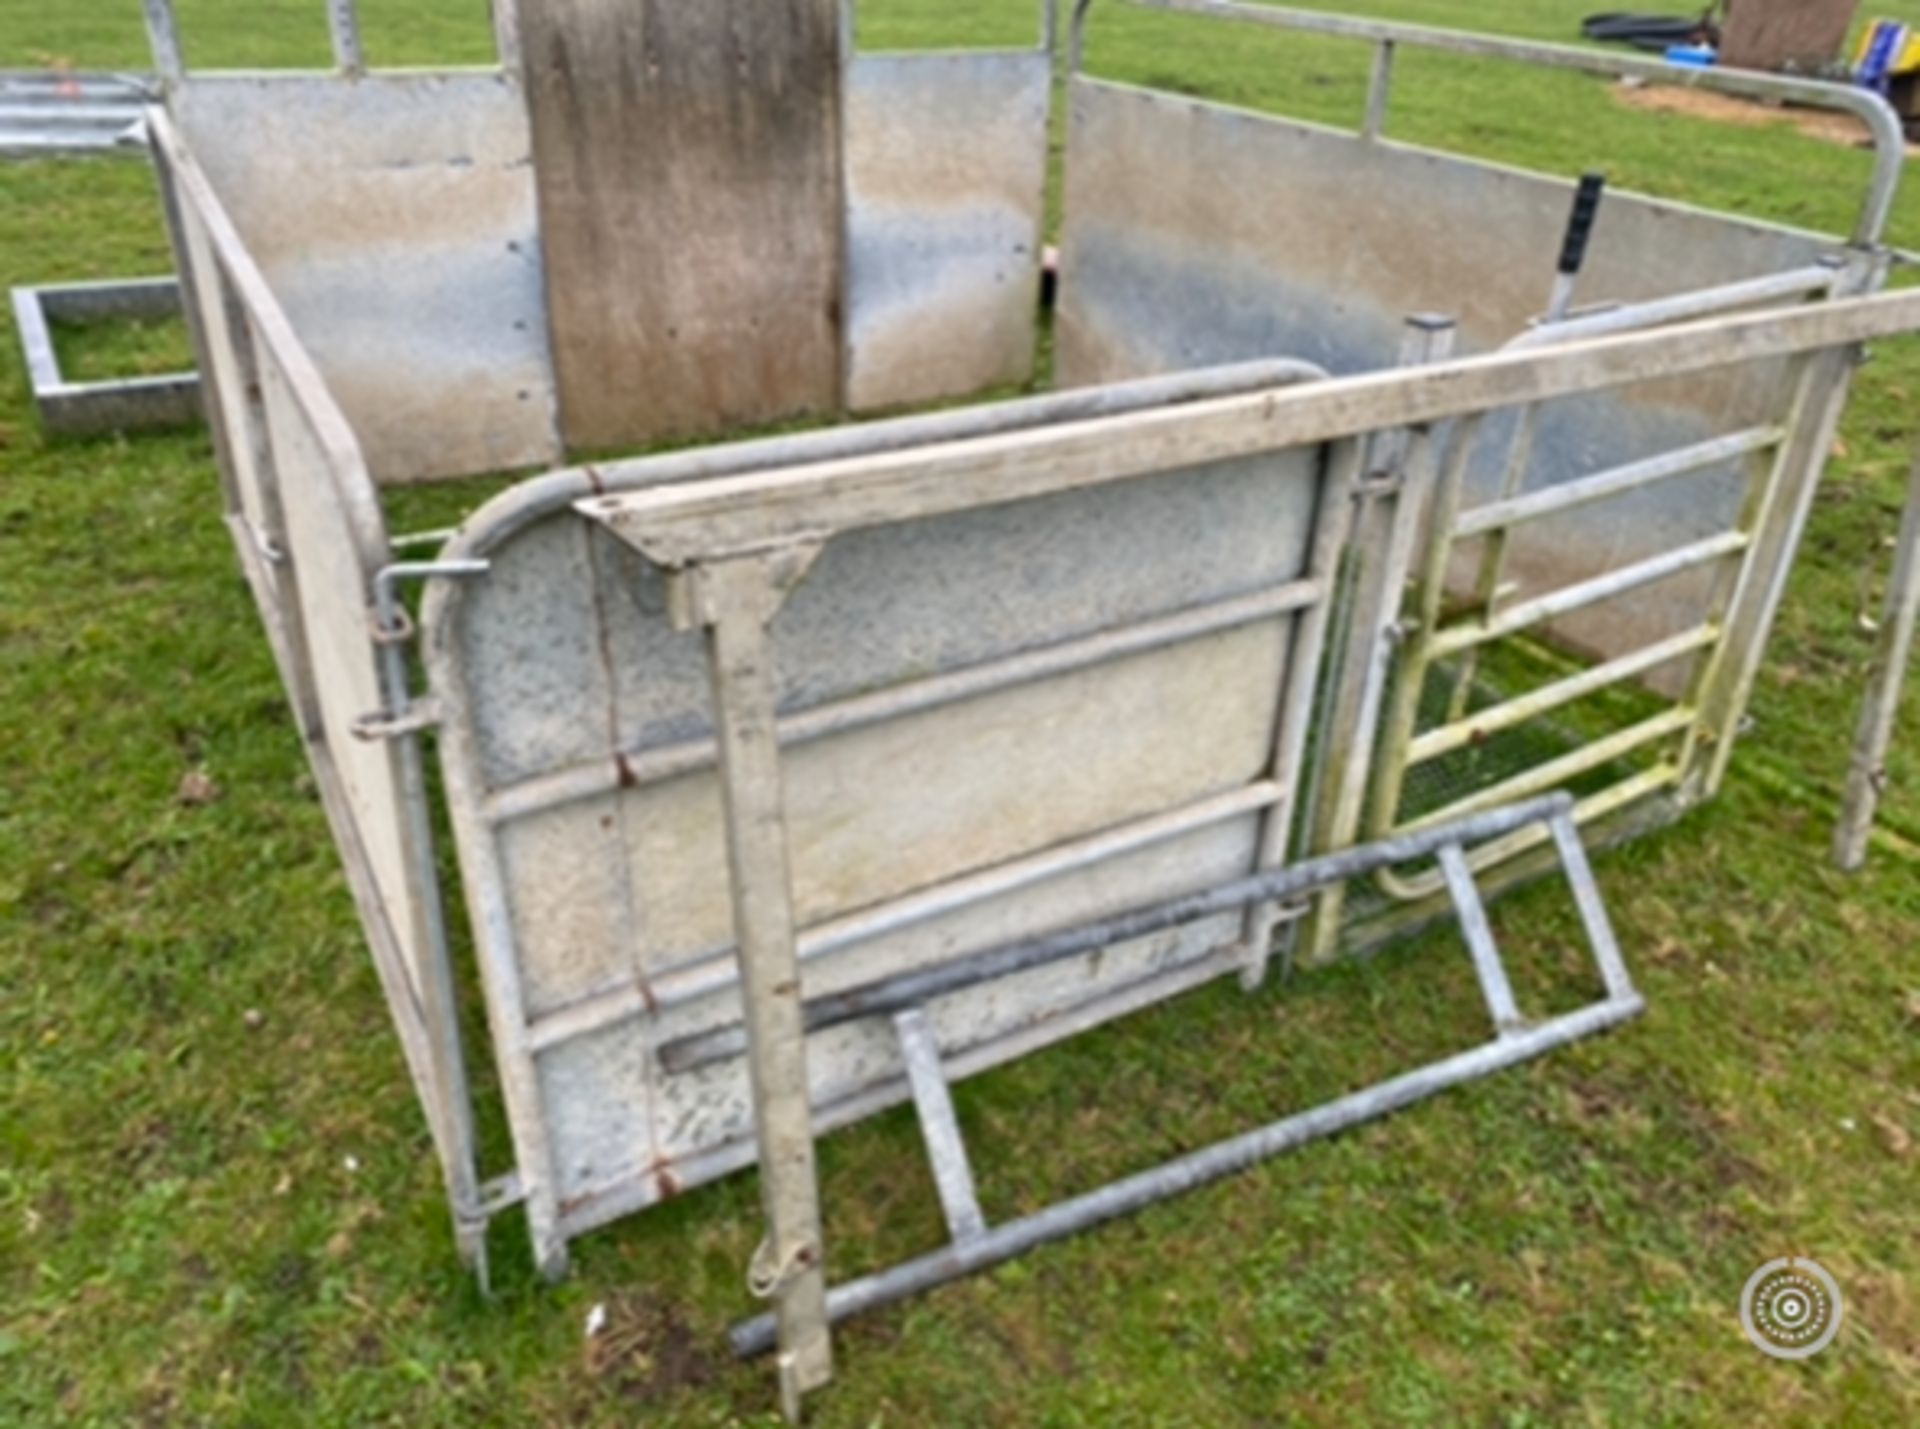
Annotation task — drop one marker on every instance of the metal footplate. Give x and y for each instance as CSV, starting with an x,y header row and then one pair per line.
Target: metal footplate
x,y
976,1246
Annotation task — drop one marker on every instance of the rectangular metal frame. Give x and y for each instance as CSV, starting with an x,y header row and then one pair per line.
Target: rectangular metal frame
x,y
974,1246
306,523
43,112
531,791
127,404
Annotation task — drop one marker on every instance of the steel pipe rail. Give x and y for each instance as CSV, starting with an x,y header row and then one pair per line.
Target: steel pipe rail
x,y
890,995
1889,139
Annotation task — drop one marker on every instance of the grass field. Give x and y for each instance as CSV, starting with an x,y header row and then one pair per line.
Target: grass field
x,y
218,1204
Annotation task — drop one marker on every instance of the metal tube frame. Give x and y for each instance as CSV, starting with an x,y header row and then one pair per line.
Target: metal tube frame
x,y
1762,537
1889,139
241,336
1815,280
1515,1040
1867,768
1269,885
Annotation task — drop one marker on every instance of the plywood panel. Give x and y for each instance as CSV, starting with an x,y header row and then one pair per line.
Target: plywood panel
x,y
688,166
1797,36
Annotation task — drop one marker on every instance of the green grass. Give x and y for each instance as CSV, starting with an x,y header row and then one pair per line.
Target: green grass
x,y
217,1200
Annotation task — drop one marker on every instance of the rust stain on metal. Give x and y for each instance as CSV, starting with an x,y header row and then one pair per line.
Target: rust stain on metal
x,y
665,1180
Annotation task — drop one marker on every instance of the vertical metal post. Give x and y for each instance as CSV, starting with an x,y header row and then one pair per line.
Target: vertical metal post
x,y
163,37
1299,685
1776,535
343,22
1390,496
1077,36
506,35
736,601
452,1117
1866,775
1379,88
1416,653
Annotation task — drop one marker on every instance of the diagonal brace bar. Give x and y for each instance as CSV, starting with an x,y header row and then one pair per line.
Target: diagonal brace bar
x,y
946,1150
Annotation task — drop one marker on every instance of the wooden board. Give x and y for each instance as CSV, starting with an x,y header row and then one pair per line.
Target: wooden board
x,y
687,159
1796,36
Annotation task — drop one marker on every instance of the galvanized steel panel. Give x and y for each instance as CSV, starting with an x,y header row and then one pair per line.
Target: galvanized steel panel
x,y
54,112
946,160
1196,234
306,519
393,216
563,659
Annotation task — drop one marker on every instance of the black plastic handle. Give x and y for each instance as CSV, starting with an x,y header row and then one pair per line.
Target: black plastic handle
x,y
1586,204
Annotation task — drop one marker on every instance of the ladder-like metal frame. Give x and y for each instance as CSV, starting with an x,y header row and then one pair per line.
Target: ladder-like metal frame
x,y
974,1245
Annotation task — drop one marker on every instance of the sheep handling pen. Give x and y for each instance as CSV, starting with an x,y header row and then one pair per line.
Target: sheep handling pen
x,y
1342,578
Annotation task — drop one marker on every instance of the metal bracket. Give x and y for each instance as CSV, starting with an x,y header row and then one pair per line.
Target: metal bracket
x,y
392,627
389,614
690,603
415,716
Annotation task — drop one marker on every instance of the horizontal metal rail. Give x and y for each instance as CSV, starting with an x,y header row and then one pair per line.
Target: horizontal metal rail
x,y
1556,773
1409,887
715,969
1568,496
724,517
1883,125
1477,726
1199,1168
52,113
539,497
1579,596
892,994
1683,307
628,767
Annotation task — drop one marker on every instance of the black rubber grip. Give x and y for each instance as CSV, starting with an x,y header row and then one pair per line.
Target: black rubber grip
x,y
1586,203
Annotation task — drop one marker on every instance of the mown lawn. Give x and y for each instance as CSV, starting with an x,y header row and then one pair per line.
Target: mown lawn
x,y
218,1203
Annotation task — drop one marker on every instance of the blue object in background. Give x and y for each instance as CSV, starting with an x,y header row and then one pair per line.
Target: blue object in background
x,y
1885,44
1690,54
